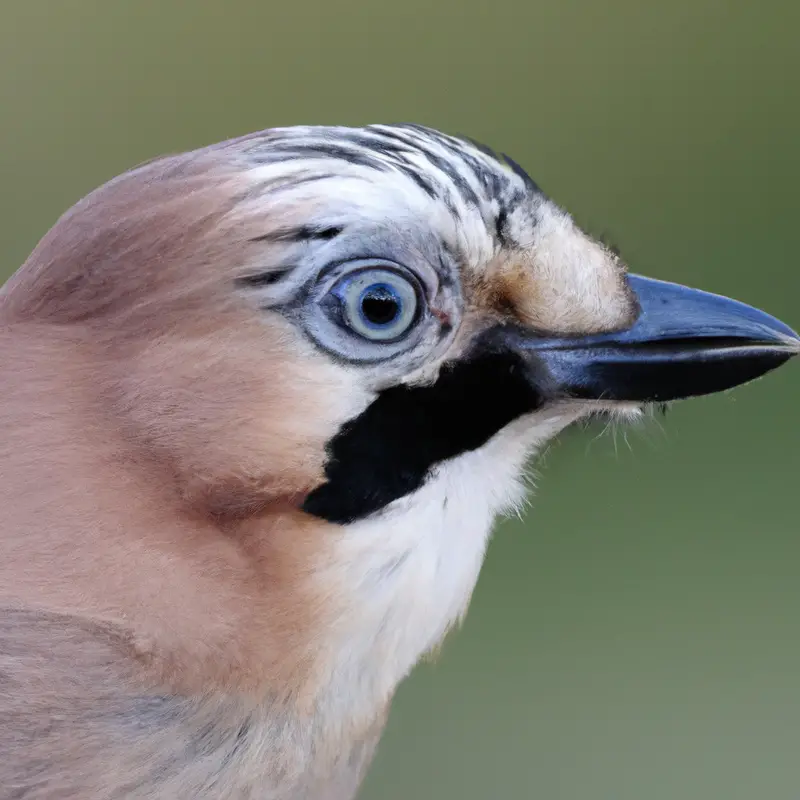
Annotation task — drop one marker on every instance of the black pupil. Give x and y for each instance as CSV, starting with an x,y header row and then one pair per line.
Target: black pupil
x,y
380,305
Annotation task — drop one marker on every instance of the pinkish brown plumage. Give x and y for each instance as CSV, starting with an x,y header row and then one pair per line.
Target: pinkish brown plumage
x,y
262,404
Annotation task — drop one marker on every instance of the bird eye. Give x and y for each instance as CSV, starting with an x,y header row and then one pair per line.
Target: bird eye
x,y
378,304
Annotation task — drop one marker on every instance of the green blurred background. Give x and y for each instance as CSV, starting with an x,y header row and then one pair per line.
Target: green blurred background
x,y
637,635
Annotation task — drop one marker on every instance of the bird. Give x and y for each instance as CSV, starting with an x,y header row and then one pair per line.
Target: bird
x,y
263,403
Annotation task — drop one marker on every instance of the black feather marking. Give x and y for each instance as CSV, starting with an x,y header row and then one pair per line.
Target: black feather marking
x,y
531,183
418,178
302,233
267,278
335,151
379,142
388,451
483,148
451,144
275,186
456,178
402,143
500,226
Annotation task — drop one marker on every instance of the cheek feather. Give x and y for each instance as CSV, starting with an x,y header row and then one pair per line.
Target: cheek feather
x,y
240,418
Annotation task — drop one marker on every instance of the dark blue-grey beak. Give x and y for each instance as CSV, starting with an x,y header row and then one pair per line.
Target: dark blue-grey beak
x,y
684,343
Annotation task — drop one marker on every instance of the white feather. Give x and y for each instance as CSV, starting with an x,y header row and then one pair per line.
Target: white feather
x,y
408,573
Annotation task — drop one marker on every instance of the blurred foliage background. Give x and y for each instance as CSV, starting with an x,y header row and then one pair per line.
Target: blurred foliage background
x,y
636,635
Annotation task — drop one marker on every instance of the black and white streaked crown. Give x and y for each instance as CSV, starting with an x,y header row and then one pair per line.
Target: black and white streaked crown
x,y
457,172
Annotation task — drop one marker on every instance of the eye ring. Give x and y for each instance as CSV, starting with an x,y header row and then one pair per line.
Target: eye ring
x,y
378,303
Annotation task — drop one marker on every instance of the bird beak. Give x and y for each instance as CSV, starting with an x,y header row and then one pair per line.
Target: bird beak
x,y
684,343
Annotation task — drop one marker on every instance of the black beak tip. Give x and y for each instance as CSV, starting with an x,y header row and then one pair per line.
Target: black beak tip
x,y
718,372
684,343
689,342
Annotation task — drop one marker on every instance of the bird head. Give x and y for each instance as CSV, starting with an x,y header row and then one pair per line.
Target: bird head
x,y
373,328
